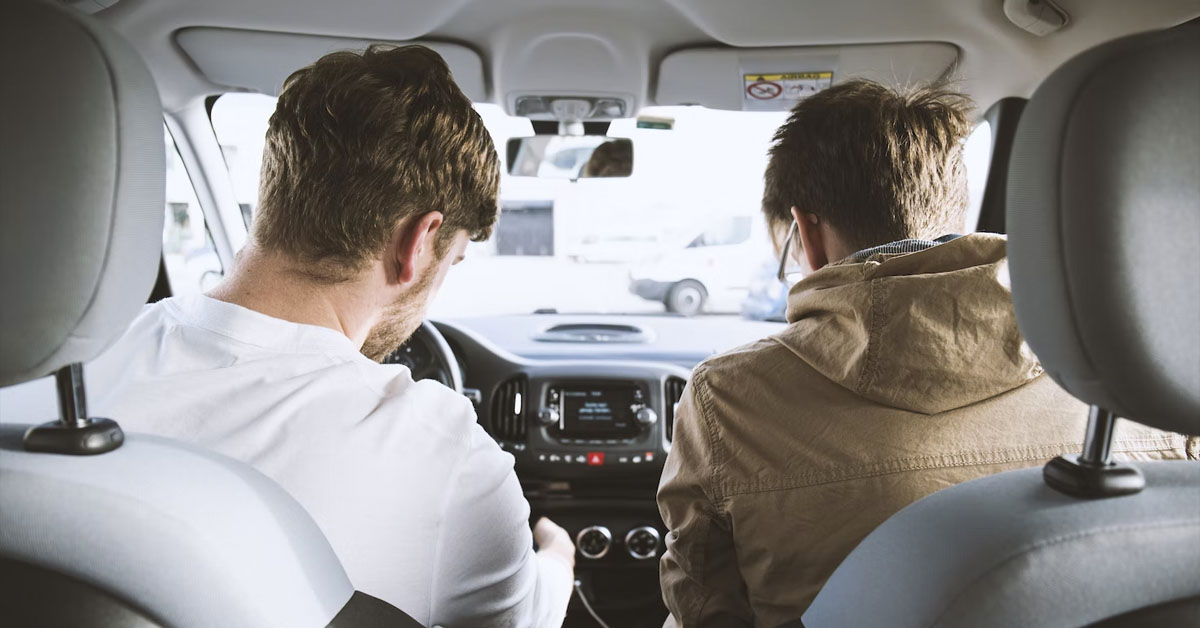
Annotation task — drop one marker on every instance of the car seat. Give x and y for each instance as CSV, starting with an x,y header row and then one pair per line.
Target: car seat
x,y
100,528
1104,228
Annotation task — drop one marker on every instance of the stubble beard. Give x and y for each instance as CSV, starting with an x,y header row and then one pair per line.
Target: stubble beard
x,y
401,320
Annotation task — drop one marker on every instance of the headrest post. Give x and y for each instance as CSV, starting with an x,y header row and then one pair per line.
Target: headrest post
x,y
1091,474
74,433
72,401
1097,442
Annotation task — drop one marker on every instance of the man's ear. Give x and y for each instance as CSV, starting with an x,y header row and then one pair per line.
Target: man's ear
x,y
411,239
812,238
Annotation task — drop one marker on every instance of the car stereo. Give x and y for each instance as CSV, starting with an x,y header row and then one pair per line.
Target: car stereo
x,y
604,426
597,411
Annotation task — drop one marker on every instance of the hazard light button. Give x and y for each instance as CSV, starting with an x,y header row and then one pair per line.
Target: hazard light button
x,y
595,458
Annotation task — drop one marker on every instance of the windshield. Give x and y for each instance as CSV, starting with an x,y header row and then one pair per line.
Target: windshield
x,y
683,234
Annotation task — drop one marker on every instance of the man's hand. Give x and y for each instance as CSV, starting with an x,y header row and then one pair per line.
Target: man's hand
x,y
554,541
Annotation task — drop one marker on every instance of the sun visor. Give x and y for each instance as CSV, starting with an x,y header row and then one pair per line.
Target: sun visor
x,y
775,79
261,60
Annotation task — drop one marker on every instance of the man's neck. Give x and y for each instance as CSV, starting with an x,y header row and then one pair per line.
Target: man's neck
x,y
273,284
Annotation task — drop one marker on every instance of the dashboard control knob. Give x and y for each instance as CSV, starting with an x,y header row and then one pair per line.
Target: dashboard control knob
x,y
548,416
593,542
642,543
646,416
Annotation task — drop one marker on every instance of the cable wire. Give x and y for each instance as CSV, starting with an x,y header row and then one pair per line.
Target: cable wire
x,y
588,605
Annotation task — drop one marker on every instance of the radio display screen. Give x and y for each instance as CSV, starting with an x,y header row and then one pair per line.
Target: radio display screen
x,y
599,410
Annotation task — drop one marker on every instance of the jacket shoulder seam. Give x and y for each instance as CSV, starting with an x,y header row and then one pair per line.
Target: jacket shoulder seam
x,y
878,317
704,396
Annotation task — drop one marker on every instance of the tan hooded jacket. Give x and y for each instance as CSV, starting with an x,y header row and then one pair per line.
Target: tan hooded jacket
x,y
897,376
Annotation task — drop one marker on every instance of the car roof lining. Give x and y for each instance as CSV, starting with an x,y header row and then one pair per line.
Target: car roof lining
x,y
622,42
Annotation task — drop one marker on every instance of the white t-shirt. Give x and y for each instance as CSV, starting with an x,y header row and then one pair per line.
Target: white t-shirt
x,y
421,506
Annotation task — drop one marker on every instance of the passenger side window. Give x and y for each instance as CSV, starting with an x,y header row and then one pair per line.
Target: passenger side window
x,y
188,249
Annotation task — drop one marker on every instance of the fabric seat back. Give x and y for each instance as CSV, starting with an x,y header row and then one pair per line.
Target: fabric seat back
x,y
153,532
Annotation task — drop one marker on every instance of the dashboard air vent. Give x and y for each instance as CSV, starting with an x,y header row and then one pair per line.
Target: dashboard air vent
x,y
594,333
509,405
674,392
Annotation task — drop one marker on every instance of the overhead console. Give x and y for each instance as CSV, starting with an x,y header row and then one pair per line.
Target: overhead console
x,y
554,56
775,79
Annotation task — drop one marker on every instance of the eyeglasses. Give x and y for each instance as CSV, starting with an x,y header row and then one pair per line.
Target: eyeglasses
x,y
783,254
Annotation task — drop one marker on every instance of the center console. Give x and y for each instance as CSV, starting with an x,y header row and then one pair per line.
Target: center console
x,y
589,439
596,426
590,455
618,542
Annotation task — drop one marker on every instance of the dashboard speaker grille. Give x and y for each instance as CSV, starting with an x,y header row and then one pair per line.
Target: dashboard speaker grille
x,y
510,405
674,392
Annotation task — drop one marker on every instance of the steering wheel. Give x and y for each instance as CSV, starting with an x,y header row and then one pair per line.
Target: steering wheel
x,y
428,356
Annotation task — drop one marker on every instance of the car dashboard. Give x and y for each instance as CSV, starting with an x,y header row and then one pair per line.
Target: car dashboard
x,y
586,406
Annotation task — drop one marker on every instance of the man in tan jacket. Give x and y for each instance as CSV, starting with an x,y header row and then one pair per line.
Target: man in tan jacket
x,y
902,370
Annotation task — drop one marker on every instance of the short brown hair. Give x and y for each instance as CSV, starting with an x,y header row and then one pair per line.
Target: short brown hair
x,y
357,143
879,164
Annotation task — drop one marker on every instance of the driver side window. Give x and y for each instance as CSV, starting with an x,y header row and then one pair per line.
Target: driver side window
x,y
188,250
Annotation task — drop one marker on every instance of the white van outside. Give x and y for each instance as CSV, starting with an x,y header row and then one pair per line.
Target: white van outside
x,y
711,273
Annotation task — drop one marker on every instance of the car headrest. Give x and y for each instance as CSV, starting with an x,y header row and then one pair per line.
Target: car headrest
x,y
1104,226
82,178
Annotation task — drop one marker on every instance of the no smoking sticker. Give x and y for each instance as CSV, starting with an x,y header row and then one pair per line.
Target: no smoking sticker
x,y
780,92
764,90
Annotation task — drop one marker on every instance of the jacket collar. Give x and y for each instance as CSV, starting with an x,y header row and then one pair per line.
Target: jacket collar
x,y
924,331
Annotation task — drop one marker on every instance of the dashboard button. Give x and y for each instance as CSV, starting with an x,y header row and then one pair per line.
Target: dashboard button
x,y
623,460
595,458
593,542
581,459
548,416
642,542
555,458
649,457
637,459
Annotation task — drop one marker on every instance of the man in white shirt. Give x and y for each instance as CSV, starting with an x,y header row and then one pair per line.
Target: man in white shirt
x,y
376,172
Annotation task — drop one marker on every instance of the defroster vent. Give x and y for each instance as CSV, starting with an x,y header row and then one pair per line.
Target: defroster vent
x,y
674,392
510,410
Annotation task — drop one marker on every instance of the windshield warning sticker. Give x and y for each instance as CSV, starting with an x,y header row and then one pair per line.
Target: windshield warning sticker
x,y
780,92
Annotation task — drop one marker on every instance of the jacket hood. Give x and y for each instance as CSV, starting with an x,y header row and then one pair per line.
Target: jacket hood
x,y
925,332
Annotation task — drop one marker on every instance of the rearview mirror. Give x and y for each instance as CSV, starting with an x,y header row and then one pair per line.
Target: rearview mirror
x,y
570,156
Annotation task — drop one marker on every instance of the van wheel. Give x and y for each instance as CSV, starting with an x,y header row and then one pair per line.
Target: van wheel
x,y
686,297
